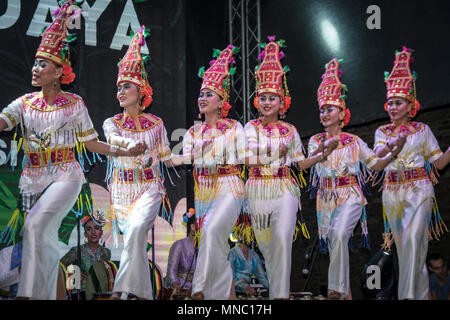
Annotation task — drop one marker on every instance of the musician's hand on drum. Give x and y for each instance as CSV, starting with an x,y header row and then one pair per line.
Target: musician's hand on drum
x,y
176,288
249,290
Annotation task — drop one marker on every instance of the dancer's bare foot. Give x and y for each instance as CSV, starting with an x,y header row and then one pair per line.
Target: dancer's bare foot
x,y
349,295
334,295
115,296
198,296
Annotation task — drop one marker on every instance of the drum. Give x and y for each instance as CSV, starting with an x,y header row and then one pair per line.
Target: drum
x,y
100,280
178,295
99,274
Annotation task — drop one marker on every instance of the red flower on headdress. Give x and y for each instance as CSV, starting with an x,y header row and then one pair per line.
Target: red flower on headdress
x,y
256,102
414,109
226,107
148,96
347,116
68,76
287,103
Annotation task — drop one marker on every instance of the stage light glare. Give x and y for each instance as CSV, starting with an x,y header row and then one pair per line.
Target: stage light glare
x,y
330,35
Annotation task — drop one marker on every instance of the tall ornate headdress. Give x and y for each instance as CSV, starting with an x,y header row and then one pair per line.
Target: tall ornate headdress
x,y
270,74
401,82
217,77
132,69
55,40
331,91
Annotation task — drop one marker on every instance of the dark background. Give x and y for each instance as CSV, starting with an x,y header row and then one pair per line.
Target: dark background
x,y
183,34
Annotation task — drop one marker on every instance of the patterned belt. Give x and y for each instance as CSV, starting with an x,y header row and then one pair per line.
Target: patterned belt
x,y
134,175
339,182
219,171
56,156
406,175
268,172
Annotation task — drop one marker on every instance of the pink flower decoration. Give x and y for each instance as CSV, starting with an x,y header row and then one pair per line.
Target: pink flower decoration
x,y
261,55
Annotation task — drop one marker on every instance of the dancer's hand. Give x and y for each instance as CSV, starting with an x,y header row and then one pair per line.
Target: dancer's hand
x,y
283,150
330,145
399,143
321,147
401,140
137,150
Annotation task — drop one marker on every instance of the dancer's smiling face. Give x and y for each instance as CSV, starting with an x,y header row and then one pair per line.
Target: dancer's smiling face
x,y
398,109
92,231
209,102
331,115
270,105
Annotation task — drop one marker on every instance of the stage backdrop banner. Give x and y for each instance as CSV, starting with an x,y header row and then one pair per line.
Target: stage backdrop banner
x,y
102,39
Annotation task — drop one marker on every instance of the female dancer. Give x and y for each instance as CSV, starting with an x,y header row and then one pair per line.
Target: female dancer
x,y
136,187
217,146
273,192
408,193
53,123
339,180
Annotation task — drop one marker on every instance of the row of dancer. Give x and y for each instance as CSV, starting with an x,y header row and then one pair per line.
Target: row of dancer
x,y
55,123
342,164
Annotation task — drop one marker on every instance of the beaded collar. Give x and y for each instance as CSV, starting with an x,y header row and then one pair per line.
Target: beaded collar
x,y
136,123
38,102
277,129
222,126
346,138
389,129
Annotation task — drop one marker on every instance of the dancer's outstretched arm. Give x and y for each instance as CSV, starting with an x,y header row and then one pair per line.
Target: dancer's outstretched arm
x,y
443,160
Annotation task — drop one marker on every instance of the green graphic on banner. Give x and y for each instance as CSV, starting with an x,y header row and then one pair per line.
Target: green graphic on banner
x,y
12,218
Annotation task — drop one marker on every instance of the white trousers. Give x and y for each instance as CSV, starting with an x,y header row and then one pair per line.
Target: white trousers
x,y
277,250
343,222
213,274
133,275
40,255
410,231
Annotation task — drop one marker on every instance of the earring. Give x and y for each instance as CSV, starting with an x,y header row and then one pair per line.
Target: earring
x,y
342,124
54,84
199,116
282,115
